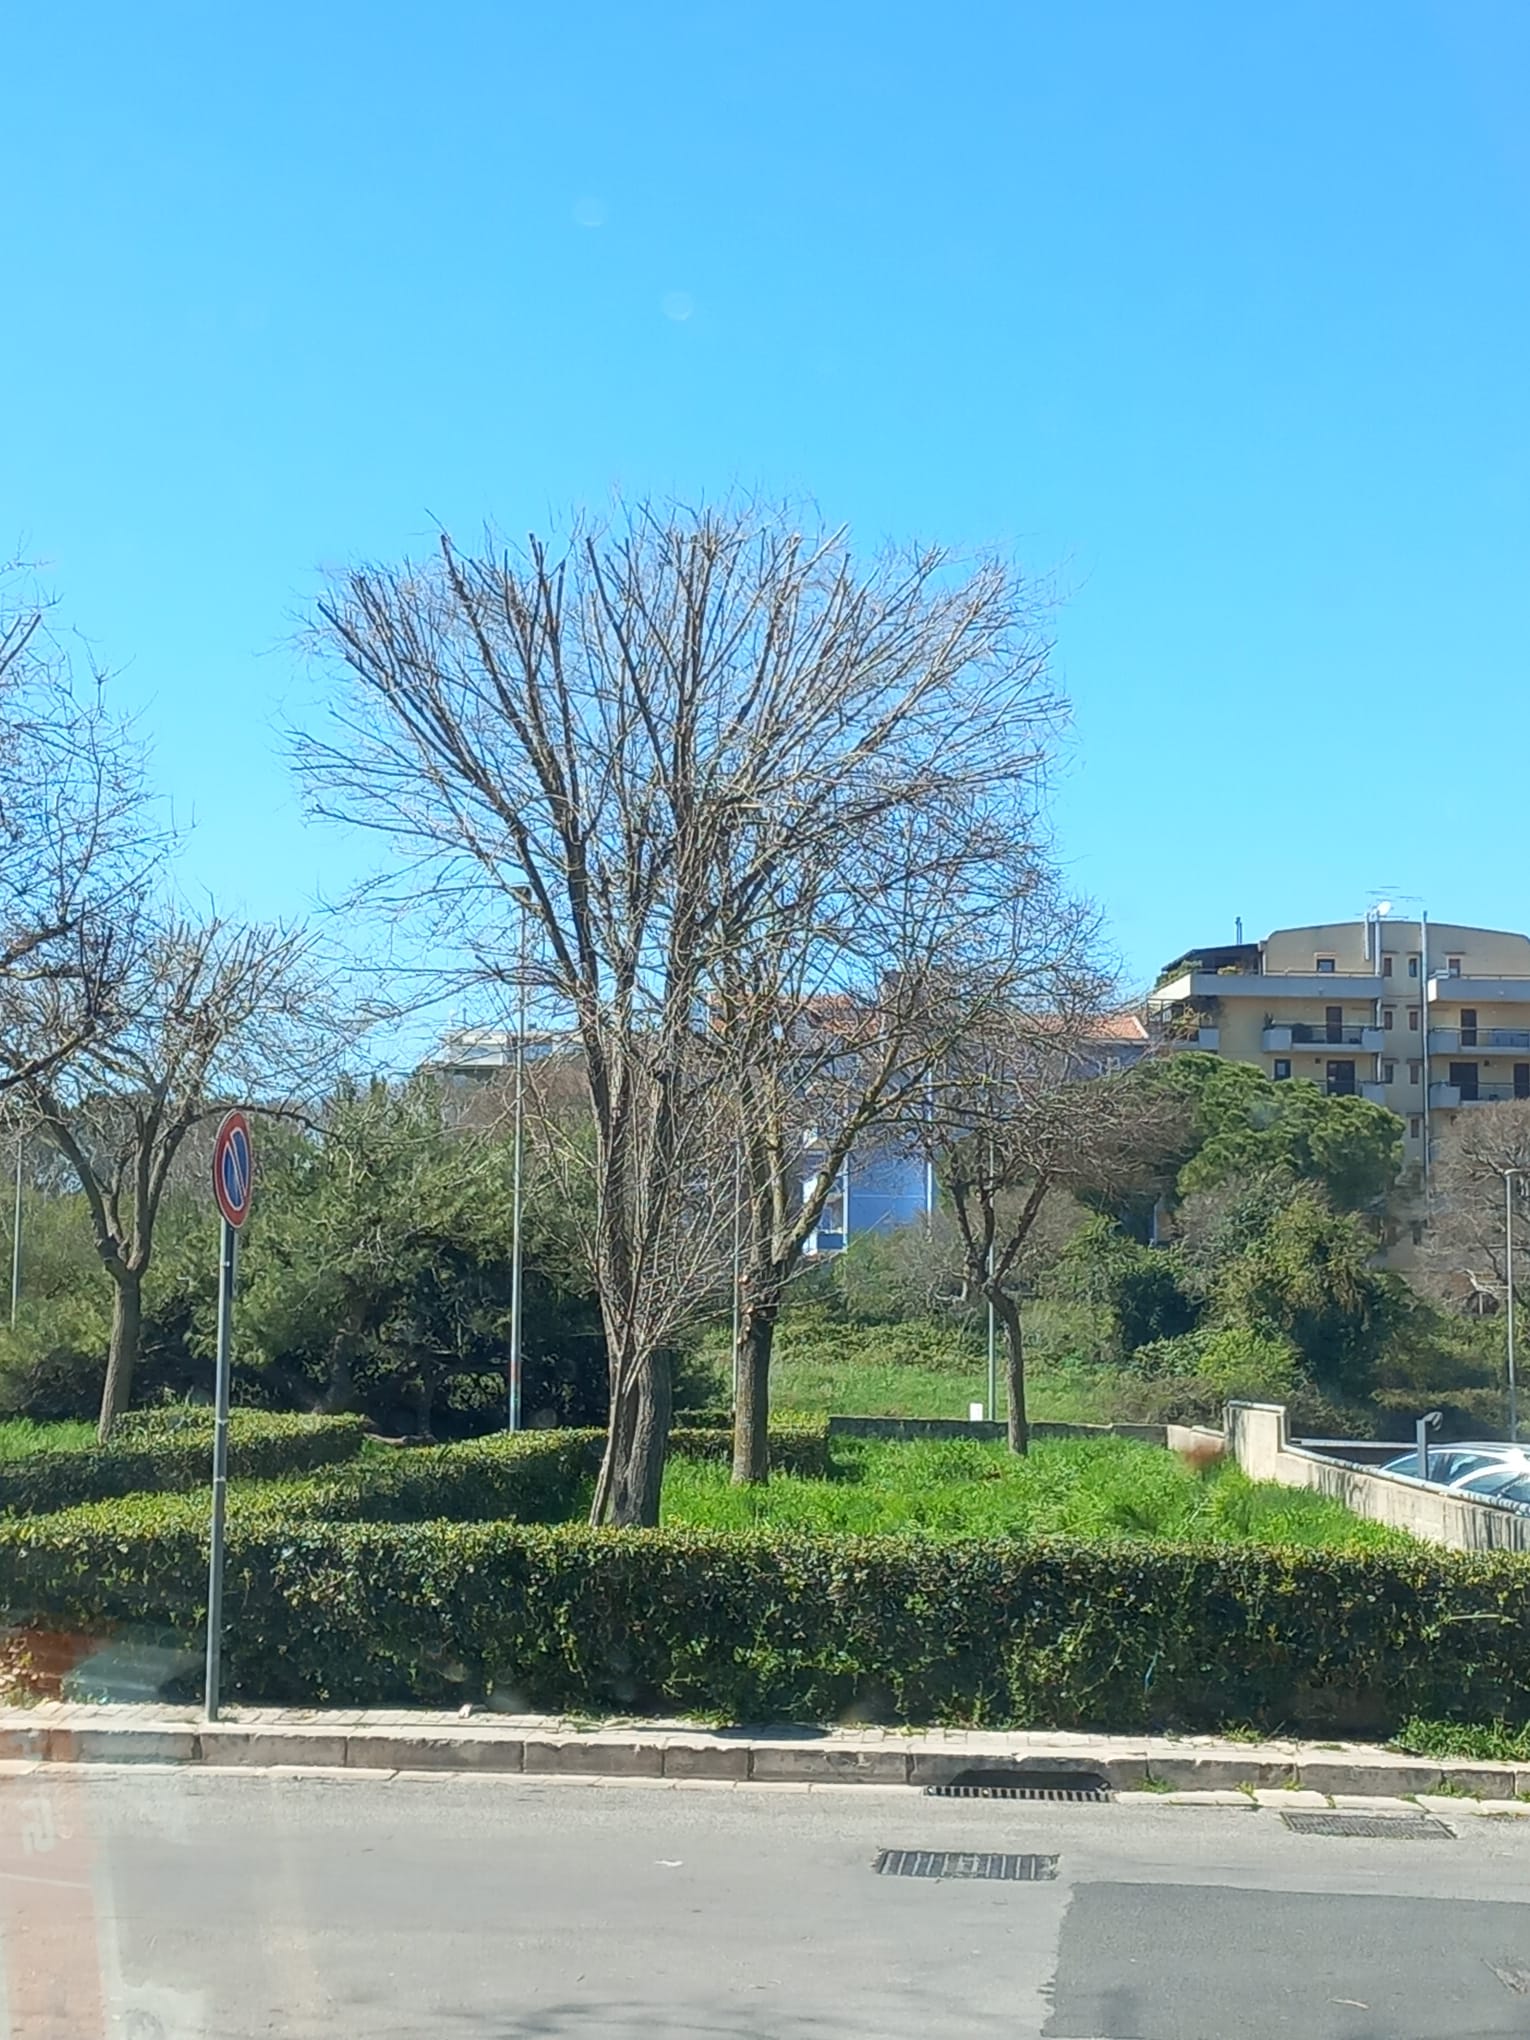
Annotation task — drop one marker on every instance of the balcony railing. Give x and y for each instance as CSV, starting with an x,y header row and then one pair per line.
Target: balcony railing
x,y
1321,1034
1446,1097
1485,1040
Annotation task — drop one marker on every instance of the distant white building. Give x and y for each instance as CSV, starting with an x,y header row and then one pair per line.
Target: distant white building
x,y
470,1055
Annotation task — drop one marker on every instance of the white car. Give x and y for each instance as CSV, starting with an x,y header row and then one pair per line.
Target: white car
x,y
1506,1483
1454,1466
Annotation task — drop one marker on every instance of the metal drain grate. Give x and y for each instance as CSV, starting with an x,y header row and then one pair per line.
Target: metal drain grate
x,y
1086,1787
1392,1827
956,1863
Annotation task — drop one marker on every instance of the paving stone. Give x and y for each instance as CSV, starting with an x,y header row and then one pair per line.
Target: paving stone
x,y
1449,1806
820,1764
123,1745
1484,1781
235,1743
1371,1802
593,1756
706,1759
1340,1774
391,1750
24,1745
1215,1774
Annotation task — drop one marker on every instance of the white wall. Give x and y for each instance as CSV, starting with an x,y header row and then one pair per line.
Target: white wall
x,y
1256,1438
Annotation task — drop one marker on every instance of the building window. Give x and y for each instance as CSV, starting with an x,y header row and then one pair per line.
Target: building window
x,y
1282,1068
1325,965
1386,966
1389,1073
1413,966
1413,1018
1388,1015
1413,1127
1452,966
1415,1072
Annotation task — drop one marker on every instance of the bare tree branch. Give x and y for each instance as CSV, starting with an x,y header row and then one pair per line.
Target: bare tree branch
x,y
649,734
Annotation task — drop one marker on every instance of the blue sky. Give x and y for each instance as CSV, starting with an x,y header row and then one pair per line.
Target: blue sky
x,y
1218,314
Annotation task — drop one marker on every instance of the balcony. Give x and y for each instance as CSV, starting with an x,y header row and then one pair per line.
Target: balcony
x,y
1373,1094
1275,986
1321,1034
1447,1097
1478,991
1480,1040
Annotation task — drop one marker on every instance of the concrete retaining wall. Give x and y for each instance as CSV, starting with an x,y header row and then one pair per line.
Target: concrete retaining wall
x,y
1256,1437
905,1428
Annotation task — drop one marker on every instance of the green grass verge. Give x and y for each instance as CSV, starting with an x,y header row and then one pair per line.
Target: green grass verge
x,y
1489,1742
825,1367
20,1437
1087,1488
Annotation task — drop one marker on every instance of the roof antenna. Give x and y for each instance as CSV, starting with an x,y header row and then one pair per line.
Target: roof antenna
x,y
1238,924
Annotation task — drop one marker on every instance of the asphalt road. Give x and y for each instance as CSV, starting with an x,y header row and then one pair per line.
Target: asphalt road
x,y
168,1905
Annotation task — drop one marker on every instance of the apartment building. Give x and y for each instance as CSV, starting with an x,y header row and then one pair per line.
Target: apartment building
x,y
1429,1018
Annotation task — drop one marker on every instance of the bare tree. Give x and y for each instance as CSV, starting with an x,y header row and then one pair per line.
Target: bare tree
x,y
1017,1119
217,1015
77,846
934,925
627,733
1484,1160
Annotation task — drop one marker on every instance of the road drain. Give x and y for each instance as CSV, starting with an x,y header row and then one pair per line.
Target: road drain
x,y
1393,1827
1087,1787
956,1863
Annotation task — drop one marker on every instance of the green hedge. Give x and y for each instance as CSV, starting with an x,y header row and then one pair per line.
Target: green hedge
x,y
758,1627
532,1477
262,1446
799,1448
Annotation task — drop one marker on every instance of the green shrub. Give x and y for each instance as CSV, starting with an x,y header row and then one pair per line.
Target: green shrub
x,y
799,1447
175,1455
770,1627
1187,1380
530,1477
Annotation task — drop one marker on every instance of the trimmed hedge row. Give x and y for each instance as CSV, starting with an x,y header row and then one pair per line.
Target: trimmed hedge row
x,y
761,1627
531,1477
262,1446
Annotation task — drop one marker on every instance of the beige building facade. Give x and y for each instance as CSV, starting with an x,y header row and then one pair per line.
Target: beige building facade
x,y
1429,1018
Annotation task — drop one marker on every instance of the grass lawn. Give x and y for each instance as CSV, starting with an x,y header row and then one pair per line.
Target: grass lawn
x,y
1107,1487
19,1436
915,1371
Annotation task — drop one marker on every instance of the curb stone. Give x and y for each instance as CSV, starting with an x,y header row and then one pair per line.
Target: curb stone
x,y
392,1742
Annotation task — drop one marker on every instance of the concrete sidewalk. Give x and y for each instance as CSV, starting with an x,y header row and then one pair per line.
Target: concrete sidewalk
x,y
392,1740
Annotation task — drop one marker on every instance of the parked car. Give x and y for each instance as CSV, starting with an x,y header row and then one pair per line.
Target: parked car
x,y
1498,1484
1452,1465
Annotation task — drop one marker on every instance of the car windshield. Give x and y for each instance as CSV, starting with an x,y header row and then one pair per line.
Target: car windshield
x,y
1444,1464
1497,1480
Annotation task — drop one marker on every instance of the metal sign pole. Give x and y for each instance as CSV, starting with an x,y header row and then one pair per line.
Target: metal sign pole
x,y
226,1263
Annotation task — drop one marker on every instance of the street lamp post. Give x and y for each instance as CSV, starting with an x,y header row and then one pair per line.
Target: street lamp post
x,y
518,1139
16,1235
1509,1176
738,1254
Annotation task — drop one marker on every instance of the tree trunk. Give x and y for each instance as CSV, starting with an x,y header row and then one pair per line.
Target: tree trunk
x,y
340,1390
751,1363
1007,1311
122,1354
631,1474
